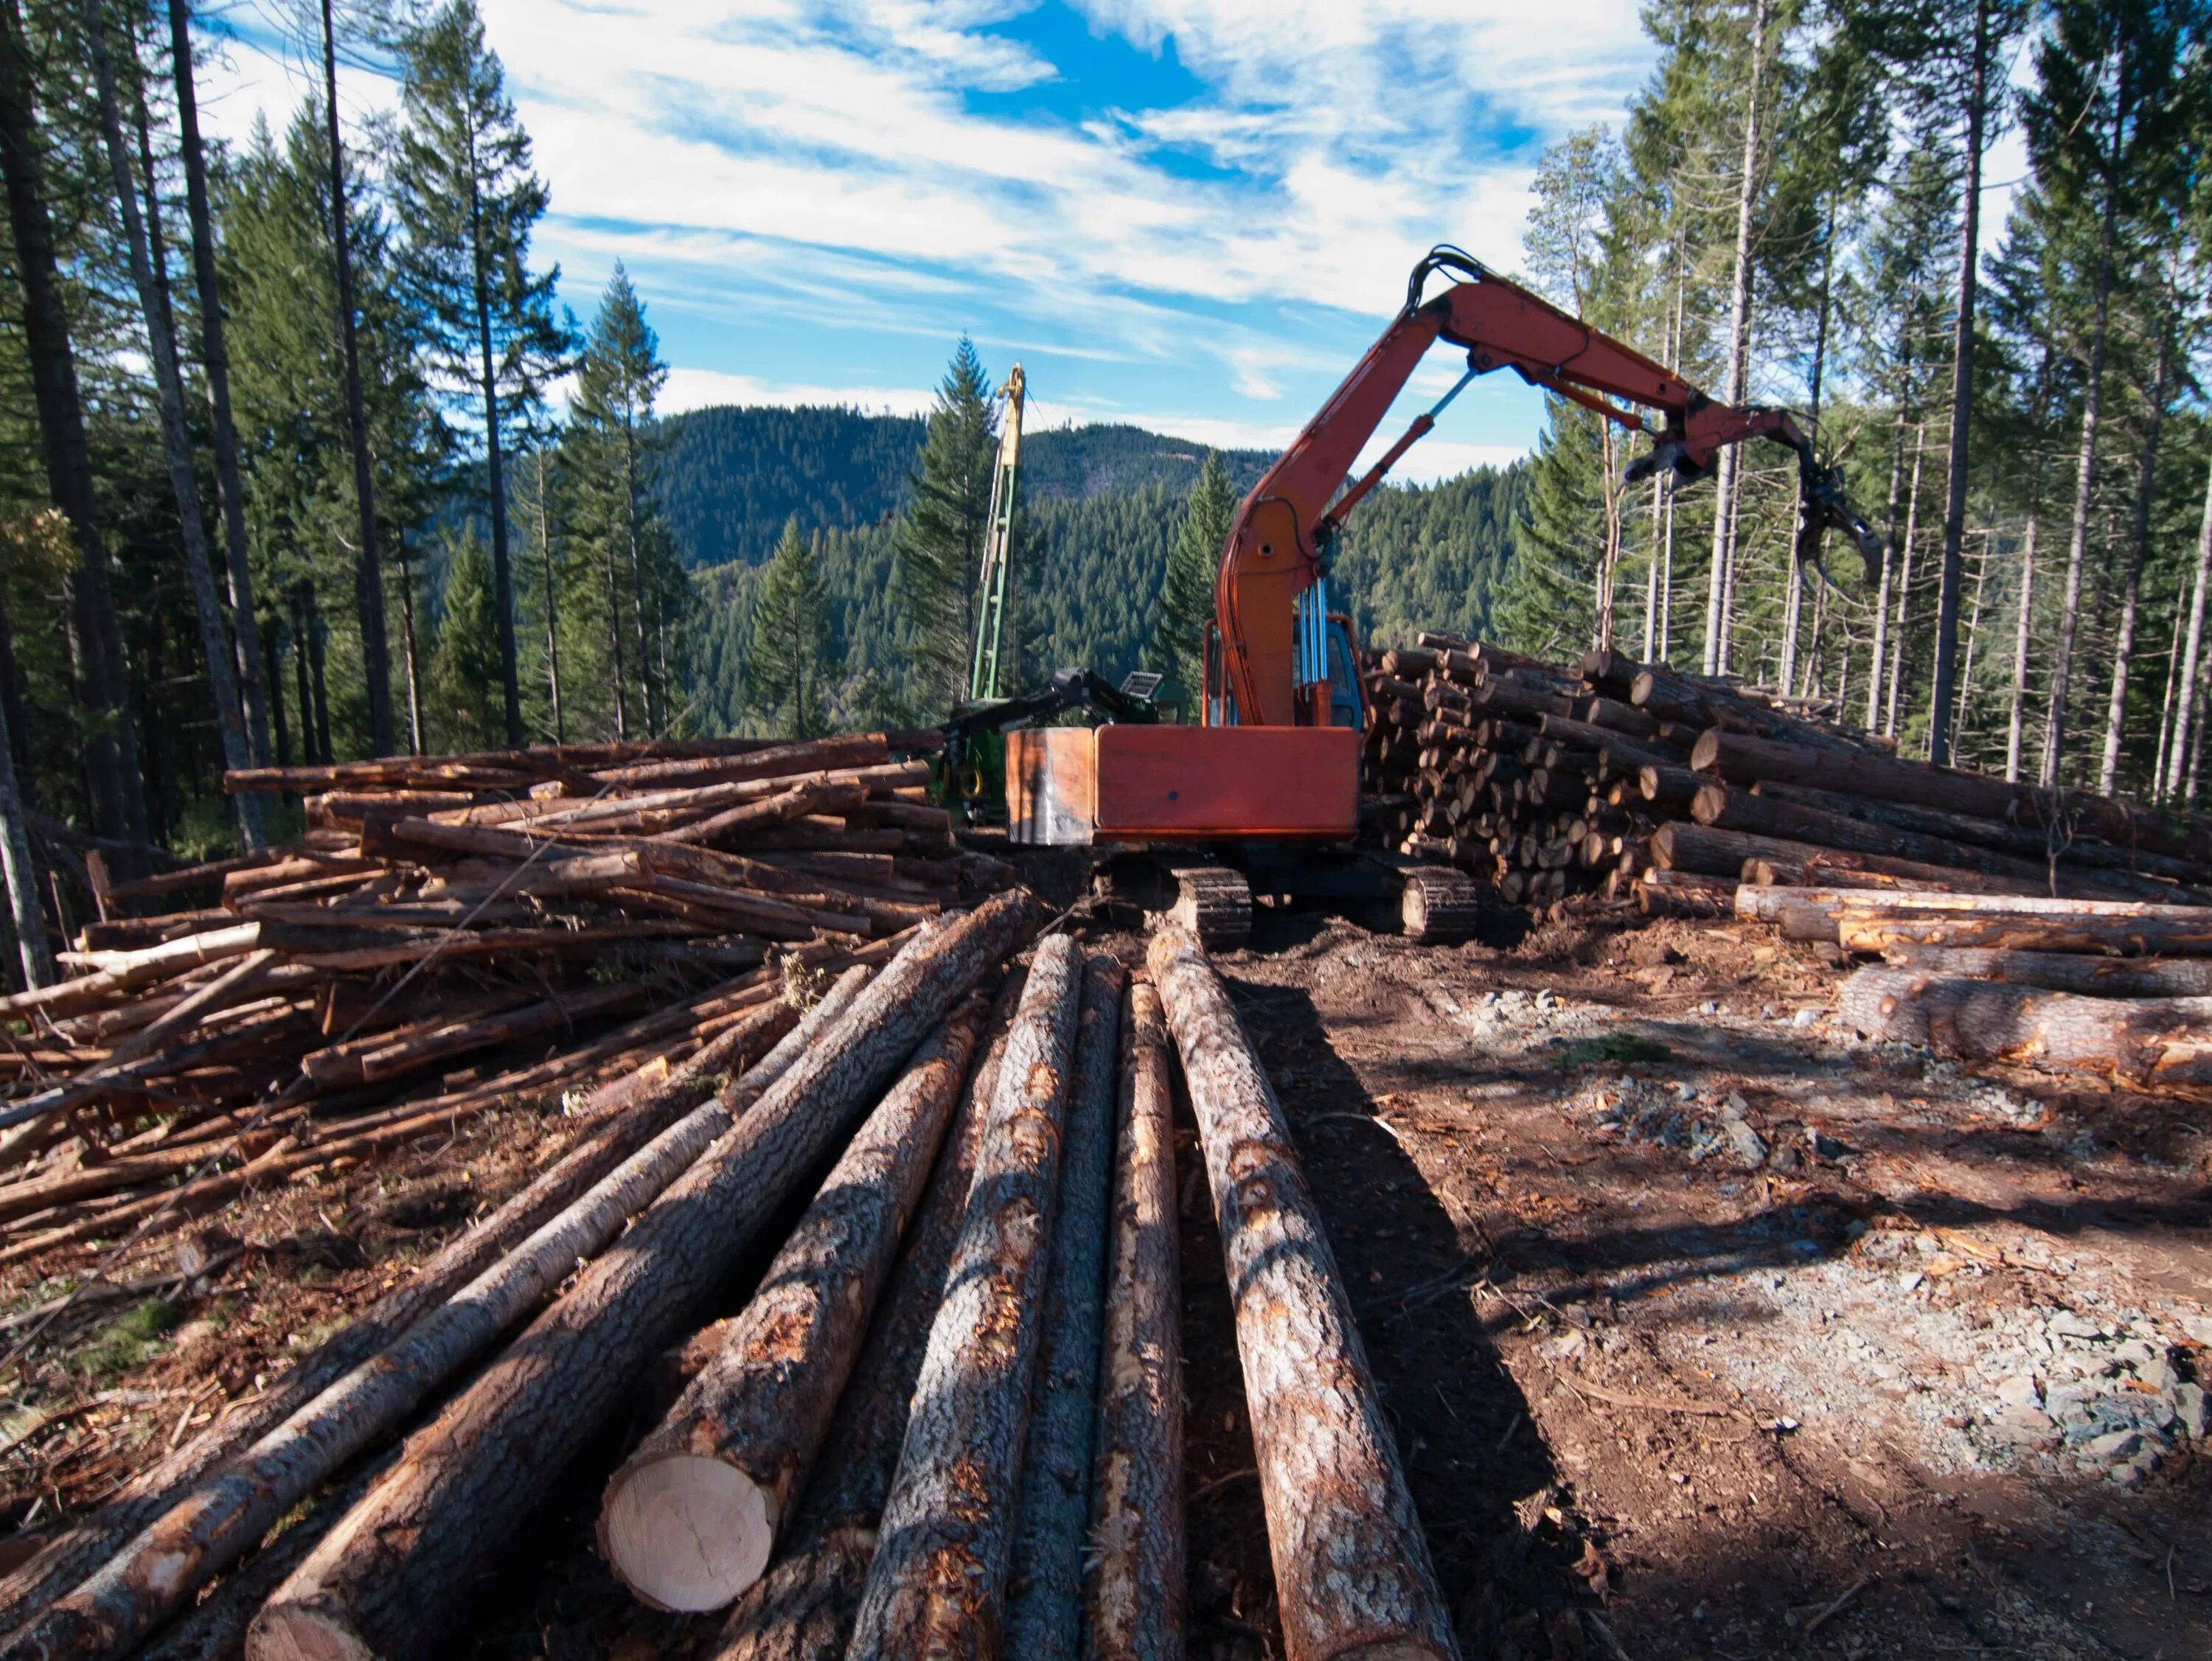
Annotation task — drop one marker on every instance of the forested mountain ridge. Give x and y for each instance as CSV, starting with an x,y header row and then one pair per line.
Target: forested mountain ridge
x,y
729,476
1100,510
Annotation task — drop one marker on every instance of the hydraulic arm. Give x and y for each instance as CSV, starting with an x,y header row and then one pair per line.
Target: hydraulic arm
x,y
1271,597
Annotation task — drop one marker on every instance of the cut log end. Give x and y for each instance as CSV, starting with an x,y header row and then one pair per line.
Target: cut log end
x,y
301,1631
686,1533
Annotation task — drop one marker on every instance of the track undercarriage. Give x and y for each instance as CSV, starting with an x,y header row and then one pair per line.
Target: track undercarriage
x,y
1210,891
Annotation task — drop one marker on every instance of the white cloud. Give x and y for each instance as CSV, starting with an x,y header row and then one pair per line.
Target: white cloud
x,y
697,388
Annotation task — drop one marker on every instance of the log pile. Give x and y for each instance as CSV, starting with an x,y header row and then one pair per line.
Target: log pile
x,y
957,1369
448,934
1638,781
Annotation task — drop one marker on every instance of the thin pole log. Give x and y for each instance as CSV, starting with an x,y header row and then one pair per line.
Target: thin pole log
x,y
71,1556
1044,1605
2142,1041
803,1609
688,1521
949,1519
220,1519
1134,1602
389,1580
1352,1573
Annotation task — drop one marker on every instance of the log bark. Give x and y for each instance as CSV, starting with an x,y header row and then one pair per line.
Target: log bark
x,y
1743,759
803,1609
688,1521
2140,1041
229,1509
1678,893
1862,931
2062,972
1044,1602
1710,851
1732,808
937,1584
815,796
1134,1598
1352,1573
389,1580
71,1556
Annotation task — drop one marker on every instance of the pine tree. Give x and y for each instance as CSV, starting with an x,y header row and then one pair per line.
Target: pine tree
x,y
639,600
465,693
1178,643
785,672
1547,605
940,539
469,200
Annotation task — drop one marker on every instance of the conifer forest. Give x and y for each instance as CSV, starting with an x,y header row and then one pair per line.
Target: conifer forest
x,y
283,479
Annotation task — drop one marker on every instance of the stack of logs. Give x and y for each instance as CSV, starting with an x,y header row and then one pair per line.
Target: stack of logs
x,y
960,1369
1640,781
450,933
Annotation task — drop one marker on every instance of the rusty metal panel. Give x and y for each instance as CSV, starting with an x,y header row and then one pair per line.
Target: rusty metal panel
x,y
1183,783
1051,794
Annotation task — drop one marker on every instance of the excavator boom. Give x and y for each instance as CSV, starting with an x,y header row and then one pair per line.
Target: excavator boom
x,y
1270,598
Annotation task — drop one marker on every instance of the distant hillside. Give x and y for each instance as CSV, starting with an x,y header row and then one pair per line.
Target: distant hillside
x,y
1101,508
729,476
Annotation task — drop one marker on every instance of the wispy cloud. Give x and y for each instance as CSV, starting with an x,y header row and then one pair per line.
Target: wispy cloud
x,y
819,194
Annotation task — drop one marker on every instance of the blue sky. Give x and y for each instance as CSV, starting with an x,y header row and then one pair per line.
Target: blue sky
x,y
1195,216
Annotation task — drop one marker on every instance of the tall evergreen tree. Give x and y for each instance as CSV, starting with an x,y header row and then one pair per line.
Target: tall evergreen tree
x,y
614,510
1178,643
785,674
463,693
466,195
940,538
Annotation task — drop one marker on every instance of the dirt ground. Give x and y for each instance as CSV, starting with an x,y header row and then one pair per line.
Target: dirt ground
x,y
1707,1329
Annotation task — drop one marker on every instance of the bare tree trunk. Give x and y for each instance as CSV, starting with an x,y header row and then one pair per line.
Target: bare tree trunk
x,y
615,650
21,874
2166,711
552,602
2024,637
215,363
1962,398
1739,351
1647,647
2185,729
502,570
1904,586
2085,476
1879,656
184,481
368,579
1973,639
2124,649
407,641
95,640
1794,602
1609,562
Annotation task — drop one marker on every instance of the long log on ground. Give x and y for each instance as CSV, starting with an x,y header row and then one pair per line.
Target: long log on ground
x,y
803,1609
1758,904
125,971
781,760
688,1521
229,1509
815,796
1044,1602
1134,1596
2062,972
2035,842
1733,807
1708,851
1680,894
2141,1041
390,1581
71,1556
950,1521
1865,930
1352,1572
1743,759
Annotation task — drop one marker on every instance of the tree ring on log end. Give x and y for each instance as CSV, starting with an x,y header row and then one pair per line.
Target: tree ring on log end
x,y
299,1633
686,1533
